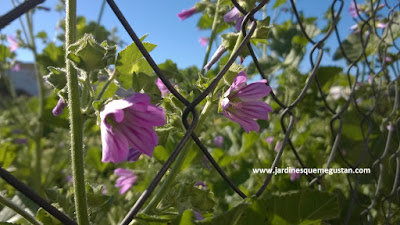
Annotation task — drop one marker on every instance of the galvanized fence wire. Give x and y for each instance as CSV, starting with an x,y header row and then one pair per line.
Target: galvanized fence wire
x,y
287,116
18,11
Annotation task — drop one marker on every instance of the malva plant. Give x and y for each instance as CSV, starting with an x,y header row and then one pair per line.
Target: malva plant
x,y
127,127
147,140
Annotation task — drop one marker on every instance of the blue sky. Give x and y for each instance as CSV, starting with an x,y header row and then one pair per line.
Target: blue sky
x,y
176,40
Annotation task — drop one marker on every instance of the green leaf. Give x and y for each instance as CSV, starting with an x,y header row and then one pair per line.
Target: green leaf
x,y
185,195
56,78
353,48
300,206
7,154
42,35
4,53
152,219
146,83
171,71
110,91
328,76
63,198
130,61
232,217
392,32
269,65
205,22
229,40
96,199
93,158
52,55
261,33
46,218
233,71
90,56
248,141
278,3
160,153
185,218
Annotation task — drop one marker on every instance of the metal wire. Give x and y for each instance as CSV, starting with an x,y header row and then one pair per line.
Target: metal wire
x,y
18,11
360,66
32,195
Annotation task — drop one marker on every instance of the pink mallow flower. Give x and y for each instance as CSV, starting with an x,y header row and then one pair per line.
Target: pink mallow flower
x,y
277,146
234,16
203,41
198,215
353,9
161,86
21,141
218,53
294,176
127,124
16,67
270,139
218,141
125,180
381,25
355,29
59,108
242,103
187,13
13,43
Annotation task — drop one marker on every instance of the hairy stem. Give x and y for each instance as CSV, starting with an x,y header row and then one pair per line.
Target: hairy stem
x,y
76,122
37,179
212,36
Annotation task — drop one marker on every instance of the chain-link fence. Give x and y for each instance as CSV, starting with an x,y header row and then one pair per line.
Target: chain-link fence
x,y
383,80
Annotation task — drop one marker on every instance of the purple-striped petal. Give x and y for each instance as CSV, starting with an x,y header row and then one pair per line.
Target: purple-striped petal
x,y
146,115
218,141
125,180
13,43
139,97
133,155
270,139
225,103
59,108
161,86
216,56
116,109
238,25
143,139
123,172
129,124
253,91
239,81
115,146
187,13
232,15
253,110
203,41
247,123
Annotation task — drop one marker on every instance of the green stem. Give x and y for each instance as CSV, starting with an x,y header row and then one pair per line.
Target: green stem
x,y
75,118
105,86
99,17
212,36
18,210
89,110
39,132
179,161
